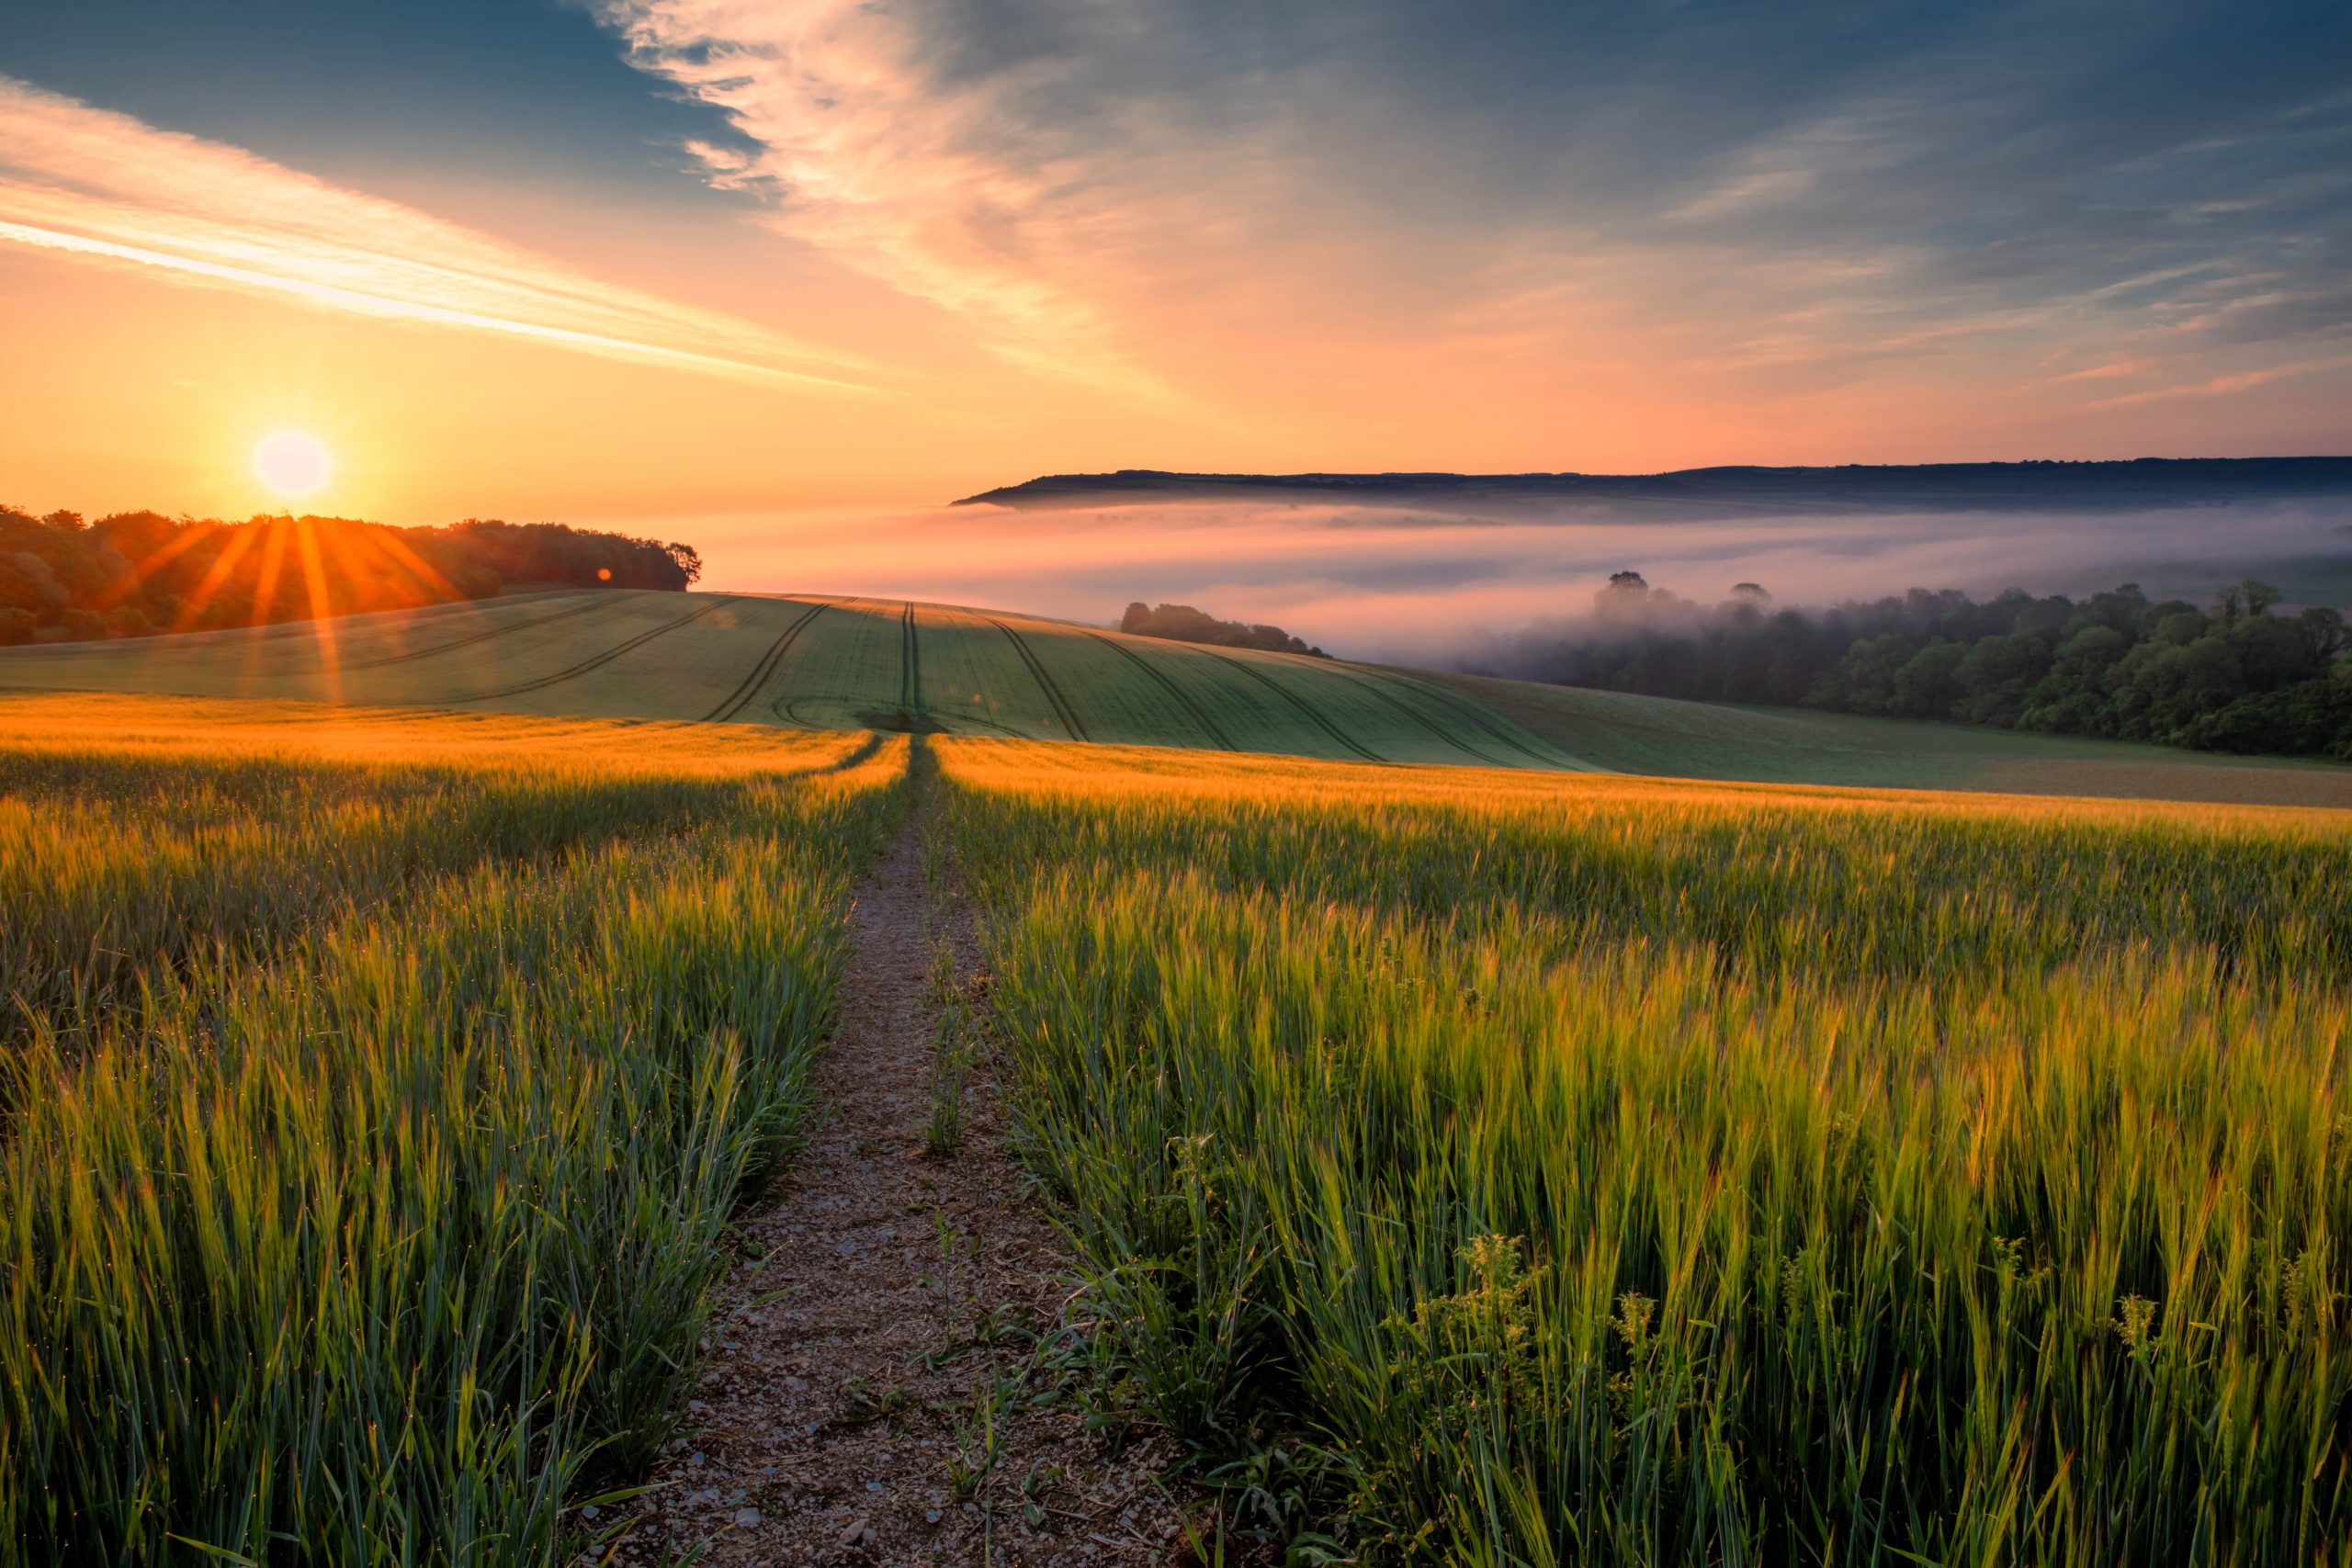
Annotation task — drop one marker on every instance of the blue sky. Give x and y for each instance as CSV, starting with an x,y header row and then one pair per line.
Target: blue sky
x,y
530,89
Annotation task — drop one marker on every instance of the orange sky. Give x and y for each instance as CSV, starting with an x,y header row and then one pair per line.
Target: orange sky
x,y
900,286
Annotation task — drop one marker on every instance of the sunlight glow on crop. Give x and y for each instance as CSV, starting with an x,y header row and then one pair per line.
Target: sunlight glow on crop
x,y
292,463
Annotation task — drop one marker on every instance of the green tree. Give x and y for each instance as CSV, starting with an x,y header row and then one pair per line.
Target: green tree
x,y
1928,686
1997,676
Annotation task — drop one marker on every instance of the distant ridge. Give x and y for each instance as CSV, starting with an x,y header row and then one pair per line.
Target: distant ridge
x,y
1926,487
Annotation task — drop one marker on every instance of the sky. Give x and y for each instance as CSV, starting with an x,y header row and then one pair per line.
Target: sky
x,y
744,272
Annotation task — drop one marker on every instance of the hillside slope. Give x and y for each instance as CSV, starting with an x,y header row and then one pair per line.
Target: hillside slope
x,y
815,662
1624,732
810,661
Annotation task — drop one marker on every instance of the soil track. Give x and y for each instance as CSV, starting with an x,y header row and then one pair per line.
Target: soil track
x,y
508,629
846,1372
1304,709
1168,684
1053,693
753,684
597,661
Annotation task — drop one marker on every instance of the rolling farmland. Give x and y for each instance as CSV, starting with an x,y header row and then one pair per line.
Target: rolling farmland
x,y
815,663
1499,1163
840,664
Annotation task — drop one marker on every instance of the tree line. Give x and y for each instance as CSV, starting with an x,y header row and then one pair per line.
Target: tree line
x,y
2238,674
135,573
1181,622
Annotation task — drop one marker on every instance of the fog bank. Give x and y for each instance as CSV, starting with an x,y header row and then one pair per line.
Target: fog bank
x,y
1377,583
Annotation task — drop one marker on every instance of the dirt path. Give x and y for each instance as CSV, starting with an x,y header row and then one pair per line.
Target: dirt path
x,y
875,1354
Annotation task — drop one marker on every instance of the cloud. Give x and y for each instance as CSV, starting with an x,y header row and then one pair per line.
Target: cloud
x,y
88,182
1724,209
935,191
2103,372
2221,385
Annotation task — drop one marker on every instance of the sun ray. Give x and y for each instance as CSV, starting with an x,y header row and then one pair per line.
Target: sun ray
x,y
190,535
273,559
315,574
241,541
395,549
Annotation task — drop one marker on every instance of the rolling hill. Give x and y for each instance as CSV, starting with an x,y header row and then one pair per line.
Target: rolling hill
x,y
818,662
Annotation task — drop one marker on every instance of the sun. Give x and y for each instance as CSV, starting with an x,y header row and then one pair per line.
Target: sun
x,y
292,463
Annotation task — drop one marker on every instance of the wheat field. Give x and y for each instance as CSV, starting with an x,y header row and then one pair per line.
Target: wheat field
x,y
1612,1171
1481,1165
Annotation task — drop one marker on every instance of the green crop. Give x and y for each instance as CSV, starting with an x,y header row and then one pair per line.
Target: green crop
x,y
819,663
373,1131
1614,1172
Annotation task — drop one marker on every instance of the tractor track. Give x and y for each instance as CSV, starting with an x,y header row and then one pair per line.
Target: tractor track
x,y
909,664
1053,697
750,686
1312,715
1479,716
1168,684
1416,715
601,660
564,615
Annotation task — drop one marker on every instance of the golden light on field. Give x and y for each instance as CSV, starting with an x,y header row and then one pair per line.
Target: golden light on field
x,y
292,463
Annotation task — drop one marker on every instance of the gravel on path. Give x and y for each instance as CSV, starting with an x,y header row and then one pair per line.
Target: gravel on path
x,y
878,1297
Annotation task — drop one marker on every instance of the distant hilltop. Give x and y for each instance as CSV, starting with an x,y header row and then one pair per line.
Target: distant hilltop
x,y
2135,484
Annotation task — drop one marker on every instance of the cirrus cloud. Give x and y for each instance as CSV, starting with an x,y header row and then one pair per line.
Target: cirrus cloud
x,y
84,181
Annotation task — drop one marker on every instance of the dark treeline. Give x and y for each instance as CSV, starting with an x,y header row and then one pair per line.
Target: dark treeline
x,y
1181,622
139,572
2236,675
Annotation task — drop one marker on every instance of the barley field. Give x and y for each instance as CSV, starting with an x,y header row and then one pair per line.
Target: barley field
x,y
1494,1171
812,662
809,662
370,1126
1475,1165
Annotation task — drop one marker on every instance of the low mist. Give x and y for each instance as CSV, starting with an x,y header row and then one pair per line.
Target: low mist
x,y
1437,587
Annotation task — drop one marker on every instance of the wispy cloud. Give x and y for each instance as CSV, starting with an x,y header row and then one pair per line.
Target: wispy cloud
x,y
2221,385
934,189
89,182
2102,372
1403,211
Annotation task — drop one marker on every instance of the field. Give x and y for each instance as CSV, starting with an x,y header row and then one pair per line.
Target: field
x,y
1627,733
1491,1165
1612,1171
817,664
328,1221
847,664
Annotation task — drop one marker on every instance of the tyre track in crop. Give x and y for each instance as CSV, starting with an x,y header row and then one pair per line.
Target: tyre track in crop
x,y
1312,714
843,1375
1412,715
1054,698
1480,717
909,664
599,660
507,630
1168,684
753,684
